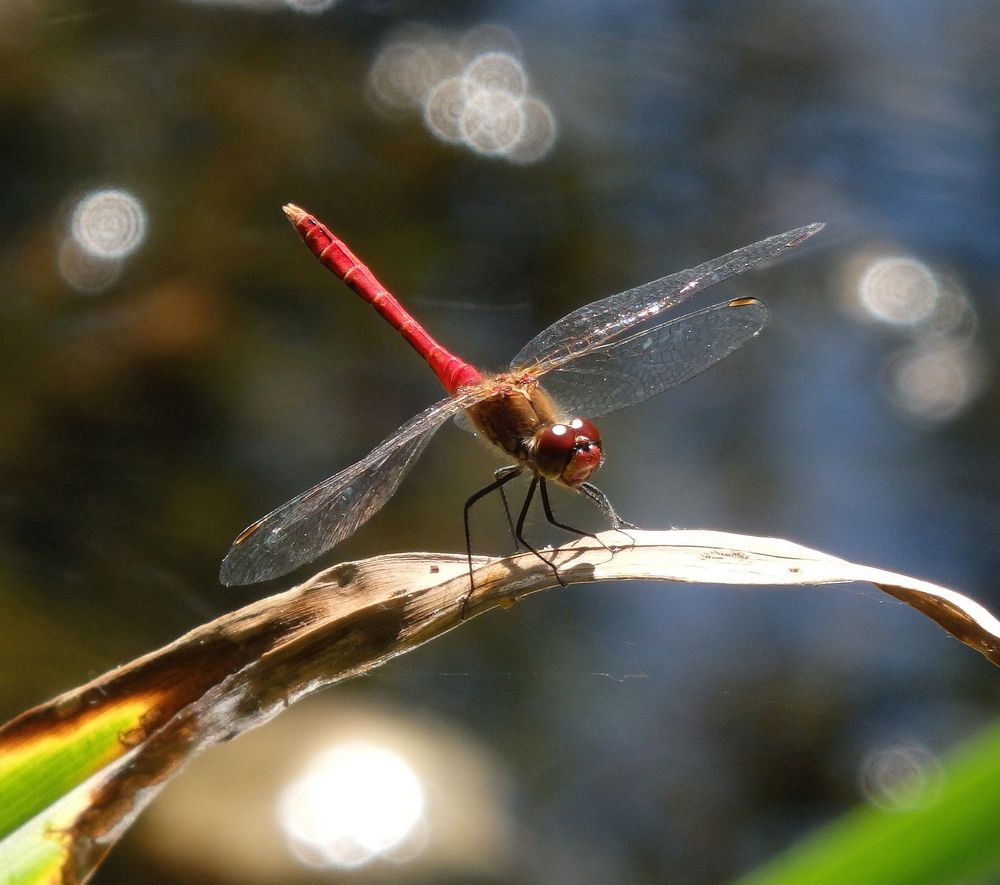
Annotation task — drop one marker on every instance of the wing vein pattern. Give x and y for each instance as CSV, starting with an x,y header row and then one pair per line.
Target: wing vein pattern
x,y
623,373
335,508
593,324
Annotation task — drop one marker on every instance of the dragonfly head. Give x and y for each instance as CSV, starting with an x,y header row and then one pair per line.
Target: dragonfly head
x,y
568,452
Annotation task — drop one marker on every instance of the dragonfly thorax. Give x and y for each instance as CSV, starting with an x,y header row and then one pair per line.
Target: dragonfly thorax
x,y
568,451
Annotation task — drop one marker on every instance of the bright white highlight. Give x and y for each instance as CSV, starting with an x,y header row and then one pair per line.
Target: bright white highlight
x,y
898,290
356,803
472,93
108,224
902,778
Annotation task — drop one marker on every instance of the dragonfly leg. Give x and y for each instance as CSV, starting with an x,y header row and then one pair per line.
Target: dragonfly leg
x,y
500,478
506,512
589,490
519,529
561,525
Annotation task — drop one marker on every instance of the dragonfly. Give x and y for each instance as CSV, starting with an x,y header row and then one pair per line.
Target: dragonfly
x,y
605,356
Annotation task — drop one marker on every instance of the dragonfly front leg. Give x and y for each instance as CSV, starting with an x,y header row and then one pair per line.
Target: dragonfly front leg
x,y
589,490
553,521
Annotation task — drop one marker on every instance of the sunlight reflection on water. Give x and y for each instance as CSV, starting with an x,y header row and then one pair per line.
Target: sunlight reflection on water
x,y
356,802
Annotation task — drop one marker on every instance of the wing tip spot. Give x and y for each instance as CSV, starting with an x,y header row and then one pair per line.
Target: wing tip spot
x,y
247,532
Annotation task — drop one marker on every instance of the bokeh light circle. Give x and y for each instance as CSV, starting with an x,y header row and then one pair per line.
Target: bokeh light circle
x,y
443,109
405,71
901,777
937,380
489,37
492,121
310,7
471,91
539,133
85,272
899,290
108,223
496,70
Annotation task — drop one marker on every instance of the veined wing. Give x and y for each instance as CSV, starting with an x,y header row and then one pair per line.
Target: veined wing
x,y
313,522
594,324
623,373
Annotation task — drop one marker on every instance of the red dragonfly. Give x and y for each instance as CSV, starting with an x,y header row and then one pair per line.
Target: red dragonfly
x,y
589,366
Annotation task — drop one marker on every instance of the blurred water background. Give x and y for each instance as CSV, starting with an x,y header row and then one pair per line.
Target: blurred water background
x,y
175,364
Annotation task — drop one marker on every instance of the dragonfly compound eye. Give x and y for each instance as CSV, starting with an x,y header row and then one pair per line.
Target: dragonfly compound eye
x,y
569,452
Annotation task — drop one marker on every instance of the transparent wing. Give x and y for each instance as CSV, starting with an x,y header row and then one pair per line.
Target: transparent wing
x,y
594,324
623,373
313,522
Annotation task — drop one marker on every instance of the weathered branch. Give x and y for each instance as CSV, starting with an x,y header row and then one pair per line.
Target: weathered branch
x,y
243,668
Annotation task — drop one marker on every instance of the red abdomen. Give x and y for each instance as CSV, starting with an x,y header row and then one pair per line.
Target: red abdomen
x,y
452,371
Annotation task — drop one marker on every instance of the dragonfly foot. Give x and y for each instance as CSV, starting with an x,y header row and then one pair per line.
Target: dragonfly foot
x,y
466,598
620,528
